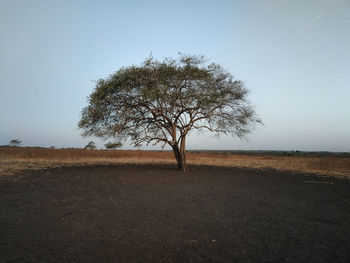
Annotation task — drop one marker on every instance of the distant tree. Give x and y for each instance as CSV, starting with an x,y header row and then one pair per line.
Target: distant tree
x,y
15,142
113,145
163,101
90,146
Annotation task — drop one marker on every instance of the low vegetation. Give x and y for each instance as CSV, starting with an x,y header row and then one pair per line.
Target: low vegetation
x,y
90,146
17,159
113,145
15,142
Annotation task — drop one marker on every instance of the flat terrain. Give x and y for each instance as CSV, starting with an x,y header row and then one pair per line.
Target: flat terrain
x,y
153,213
15,159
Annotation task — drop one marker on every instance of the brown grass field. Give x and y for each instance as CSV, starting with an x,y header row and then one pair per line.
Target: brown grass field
x,y
15,159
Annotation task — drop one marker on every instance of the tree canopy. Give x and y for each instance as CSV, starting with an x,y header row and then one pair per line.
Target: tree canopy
x,y
162,101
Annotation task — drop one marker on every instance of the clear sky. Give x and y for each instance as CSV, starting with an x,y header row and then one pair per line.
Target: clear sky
x,y
293,55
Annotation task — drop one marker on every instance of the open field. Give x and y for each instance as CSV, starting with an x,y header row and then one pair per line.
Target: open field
x,y
153,213
19,159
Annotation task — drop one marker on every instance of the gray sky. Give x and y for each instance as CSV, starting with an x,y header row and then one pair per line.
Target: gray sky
x,y
293,55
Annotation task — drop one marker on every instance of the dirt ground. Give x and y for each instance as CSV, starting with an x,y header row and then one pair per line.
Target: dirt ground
x,y
153,213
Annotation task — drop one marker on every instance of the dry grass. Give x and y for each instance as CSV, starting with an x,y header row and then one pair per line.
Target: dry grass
x,y
333,166
18,159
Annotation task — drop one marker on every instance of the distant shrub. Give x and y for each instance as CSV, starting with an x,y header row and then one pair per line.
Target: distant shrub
x,y
113,145
15,142
90,146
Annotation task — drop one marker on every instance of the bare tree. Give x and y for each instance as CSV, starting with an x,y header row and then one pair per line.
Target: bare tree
x,y
163,101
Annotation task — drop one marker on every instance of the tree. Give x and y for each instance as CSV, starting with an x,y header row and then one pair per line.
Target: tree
x,y
113,145
90,146
15,142
163,101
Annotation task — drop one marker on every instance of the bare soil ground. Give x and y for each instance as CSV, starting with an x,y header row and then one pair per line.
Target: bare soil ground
x,y
153,213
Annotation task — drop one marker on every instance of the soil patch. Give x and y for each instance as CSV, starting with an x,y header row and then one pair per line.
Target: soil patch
x,y
153,213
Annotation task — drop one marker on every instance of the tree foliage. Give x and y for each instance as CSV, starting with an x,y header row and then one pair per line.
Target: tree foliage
x,y
162,101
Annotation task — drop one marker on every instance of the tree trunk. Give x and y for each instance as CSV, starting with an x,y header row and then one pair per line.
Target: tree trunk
x,y
183,150
180,156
